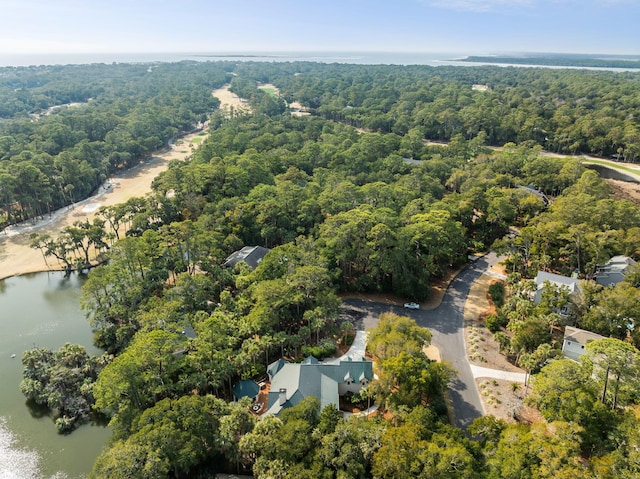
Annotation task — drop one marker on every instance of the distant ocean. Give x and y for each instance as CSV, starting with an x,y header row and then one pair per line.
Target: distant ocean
x,y
377,58
359,58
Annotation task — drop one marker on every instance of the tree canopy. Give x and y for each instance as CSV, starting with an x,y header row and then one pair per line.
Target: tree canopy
x,y
352,198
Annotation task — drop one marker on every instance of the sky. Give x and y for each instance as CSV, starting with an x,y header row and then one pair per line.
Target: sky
x,y
464,26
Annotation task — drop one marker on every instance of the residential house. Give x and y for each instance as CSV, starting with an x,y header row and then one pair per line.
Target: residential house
x,y
251,255
189,333
576,340
292,382
572,285
614,270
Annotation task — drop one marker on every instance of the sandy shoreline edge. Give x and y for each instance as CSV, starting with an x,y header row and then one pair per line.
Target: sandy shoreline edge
x,y
18,258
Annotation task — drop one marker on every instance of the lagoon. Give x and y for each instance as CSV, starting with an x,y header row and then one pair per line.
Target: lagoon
x,y
41,310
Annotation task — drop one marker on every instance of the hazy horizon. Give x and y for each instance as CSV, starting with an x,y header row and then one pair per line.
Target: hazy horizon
x,y
351,57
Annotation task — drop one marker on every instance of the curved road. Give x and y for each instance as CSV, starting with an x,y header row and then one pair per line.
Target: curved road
x,y
446,324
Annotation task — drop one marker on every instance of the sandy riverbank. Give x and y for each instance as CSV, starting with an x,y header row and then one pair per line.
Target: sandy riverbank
x,y
230,102
16,257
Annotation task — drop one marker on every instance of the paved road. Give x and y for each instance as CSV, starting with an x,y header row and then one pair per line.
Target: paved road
x,y
446,323
480,372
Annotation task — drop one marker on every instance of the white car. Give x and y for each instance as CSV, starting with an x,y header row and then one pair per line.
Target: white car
x,y
412,305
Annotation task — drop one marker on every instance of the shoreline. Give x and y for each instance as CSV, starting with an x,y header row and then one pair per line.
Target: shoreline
x,y
17,258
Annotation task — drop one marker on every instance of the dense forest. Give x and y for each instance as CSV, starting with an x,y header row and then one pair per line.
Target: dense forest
x,y
64,130
352,198
563,111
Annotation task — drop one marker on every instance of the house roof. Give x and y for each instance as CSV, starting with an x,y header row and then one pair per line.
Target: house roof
x,y
312,378
189,332
252,255
535,192
621,260
617,263
274,367
246,389
572,284
580,336
614,270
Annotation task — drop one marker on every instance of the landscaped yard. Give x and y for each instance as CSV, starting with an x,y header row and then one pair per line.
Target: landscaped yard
x,y
500,398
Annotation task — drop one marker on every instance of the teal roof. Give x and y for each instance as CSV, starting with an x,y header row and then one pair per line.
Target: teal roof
x,y
246,389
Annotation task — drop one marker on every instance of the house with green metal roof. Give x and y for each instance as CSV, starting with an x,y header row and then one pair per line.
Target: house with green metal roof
x,y
246,388
292,382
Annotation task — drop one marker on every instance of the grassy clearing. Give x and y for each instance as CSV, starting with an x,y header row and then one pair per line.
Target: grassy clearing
x,y
270,91
196,140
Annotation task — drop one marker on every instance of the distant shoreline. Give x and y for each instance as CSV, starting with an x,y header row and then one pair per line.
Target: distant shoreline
x,y
349,57
231,55
558,61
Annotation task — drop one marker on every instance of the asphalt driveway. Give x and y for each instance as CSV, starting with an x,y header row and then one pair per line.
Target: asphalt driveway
x,y
446,324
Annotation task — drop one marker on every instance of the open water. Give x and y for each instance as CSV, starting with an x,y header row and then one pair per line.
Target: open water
x,y
359,58
395,58
40,310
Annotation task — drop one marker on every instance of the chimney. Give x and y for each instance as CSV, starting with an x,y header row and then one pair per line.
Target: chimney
x,y
282,396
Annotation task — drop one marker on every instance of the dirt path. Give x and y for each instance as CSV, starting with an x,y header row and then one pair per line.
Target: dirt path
x,y
16,257
230,102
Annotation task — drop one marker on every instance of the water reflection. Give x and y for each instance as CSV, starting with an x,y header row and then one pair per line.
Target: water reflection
x,y
41,310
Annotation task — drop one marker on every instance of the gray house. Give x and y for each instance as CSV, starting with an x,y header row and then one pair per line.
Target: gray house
x,y
575,342
614,270
572,285
252,255
292,382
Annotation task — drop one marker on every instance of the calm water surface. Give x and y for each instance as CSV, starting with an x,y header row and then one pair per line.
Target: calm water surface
x,y
362,58
40,310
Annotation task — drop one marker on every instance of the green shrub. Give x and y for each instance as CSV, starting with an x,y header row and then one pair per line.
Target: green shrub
x,y
493,323
65,424
439,407
323,349
496,290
